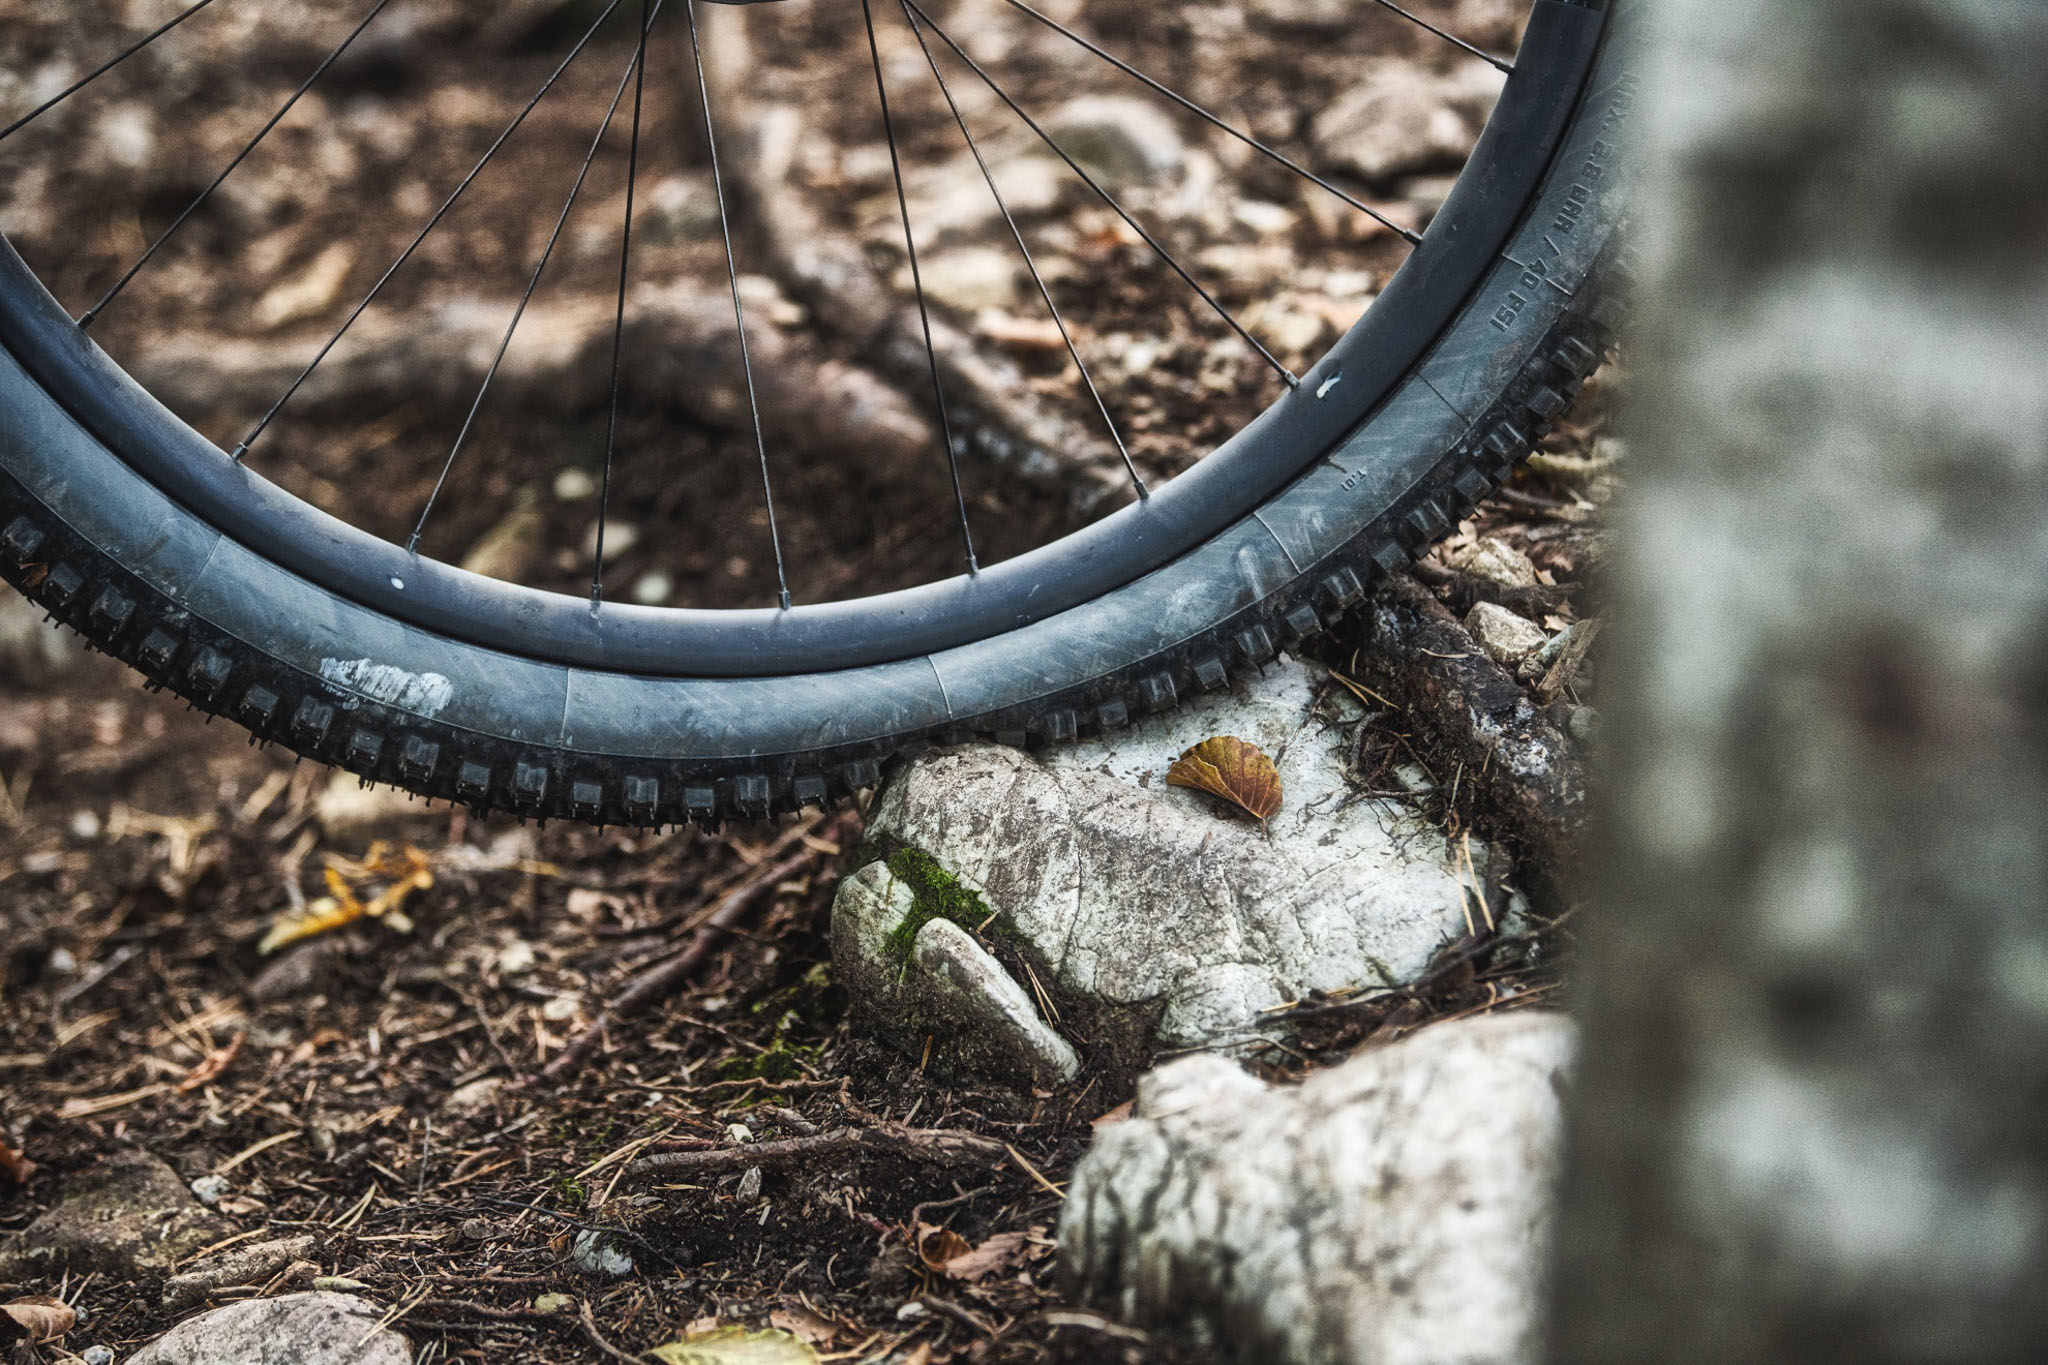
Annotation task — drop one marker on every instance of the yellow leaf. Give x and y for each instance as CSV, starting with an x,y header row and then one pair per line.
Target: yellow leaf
x,y
36,1317
1232,769
402,873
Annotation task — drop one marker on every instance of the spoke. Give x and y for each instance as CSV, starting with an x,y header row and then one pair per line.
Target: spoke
x,y
739,312
532,284
47,105
1184,102
1036,278
432,223
611,428
1292,380
86,320
917,285
1451,38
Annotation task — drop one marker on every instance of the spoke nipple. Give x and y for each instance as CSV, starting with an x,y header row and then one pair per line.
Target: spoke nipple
x,y
239,452
1293,380
785,599
87,318
1144,493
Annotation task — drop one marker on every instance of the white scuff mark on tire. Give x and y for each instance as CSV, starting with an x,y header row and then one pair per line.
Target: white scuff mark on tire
x,y
424,694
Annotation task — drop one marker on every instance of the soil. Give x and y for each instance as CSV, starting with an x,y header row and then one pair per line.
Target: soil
x,y
379,1086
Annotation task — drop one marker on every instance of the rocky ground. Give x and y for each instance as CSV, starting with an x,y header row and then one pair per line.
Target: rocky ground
x,y
580,1094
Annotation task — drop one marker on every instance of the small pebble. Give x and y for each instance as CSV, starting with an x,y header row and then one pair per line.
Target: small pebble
x,y
85,826
574,485
596,1254
1584,724
208,1189
911,1311
98,1355
749,1189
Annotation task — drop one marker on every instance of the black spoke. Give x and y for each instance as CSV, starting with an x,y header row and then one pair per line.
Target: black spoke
x,y
1032,265
611,427
1453,39
47,105
917,285
86,320
1292,380
243,448
532,284
739,312
1184,102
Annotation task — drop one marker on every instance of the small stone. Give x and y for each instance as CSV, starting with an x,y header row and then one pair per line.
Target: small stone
x,y
1584,724
575,484
1123,140
652,589
595,1253
1507,638
309,1328
1402,120
339,1284
208,1189
85,826
911,1311
1496,561
98,1355
128,1216
967,279
748,1191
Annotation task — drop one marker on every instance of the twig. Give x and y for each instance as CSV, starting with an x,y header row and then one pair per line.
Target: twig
x,y
939,1146
664,978
596,1339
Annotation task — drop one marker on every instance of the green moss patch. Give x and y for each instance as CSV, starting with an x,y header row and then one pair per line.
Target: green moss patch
x,y
937,894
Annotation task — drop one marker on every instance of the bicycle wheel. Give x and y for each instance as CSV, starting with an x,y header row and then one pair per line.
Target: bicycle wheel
x,y
357,649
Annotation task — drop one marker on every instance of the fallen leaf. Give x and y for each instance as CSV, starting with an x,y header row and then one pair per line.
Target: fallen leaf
x,y
1232,769
996,1253
211,1065
937,1246
37,1317
402,873
818,1331
554,1303
738,1346
14,1165
1117,1115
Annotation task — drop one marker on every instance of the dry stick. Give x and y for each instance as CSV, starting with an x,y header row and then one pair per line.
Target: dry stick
x,y
665,978
940,1146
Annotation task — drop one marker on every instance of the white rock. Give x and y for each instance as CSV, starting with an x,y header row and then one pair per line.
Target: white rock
x,y
1496,561
967,278
1394,1210
946,983
1402,119
1168,921
1122,139
313,1328
1507,638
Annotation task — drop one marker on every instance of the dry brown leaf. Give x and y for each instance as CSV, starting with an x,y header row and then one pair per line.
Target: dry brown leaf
x,y
997,1253
403,872
14,1165
1229,767
802,1322
38,1317
937,1246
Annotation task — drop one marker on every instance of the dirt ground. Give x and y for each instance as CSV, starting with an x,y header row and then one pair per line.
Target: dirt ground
x,y
385,1087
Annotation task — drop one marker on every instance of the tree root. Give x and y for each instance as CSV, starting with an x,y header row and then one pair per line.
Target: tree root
x,y
938,1146
827,270
1524,776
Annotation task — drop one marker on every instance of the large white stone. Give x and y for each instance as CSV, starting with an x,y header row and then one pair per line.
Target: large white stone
x,y
1148,909
1394,1210
313,1328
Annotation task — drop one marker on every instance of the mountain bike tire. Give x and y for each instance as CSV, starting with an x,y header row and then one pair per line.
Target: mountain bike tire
x,y
220,588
